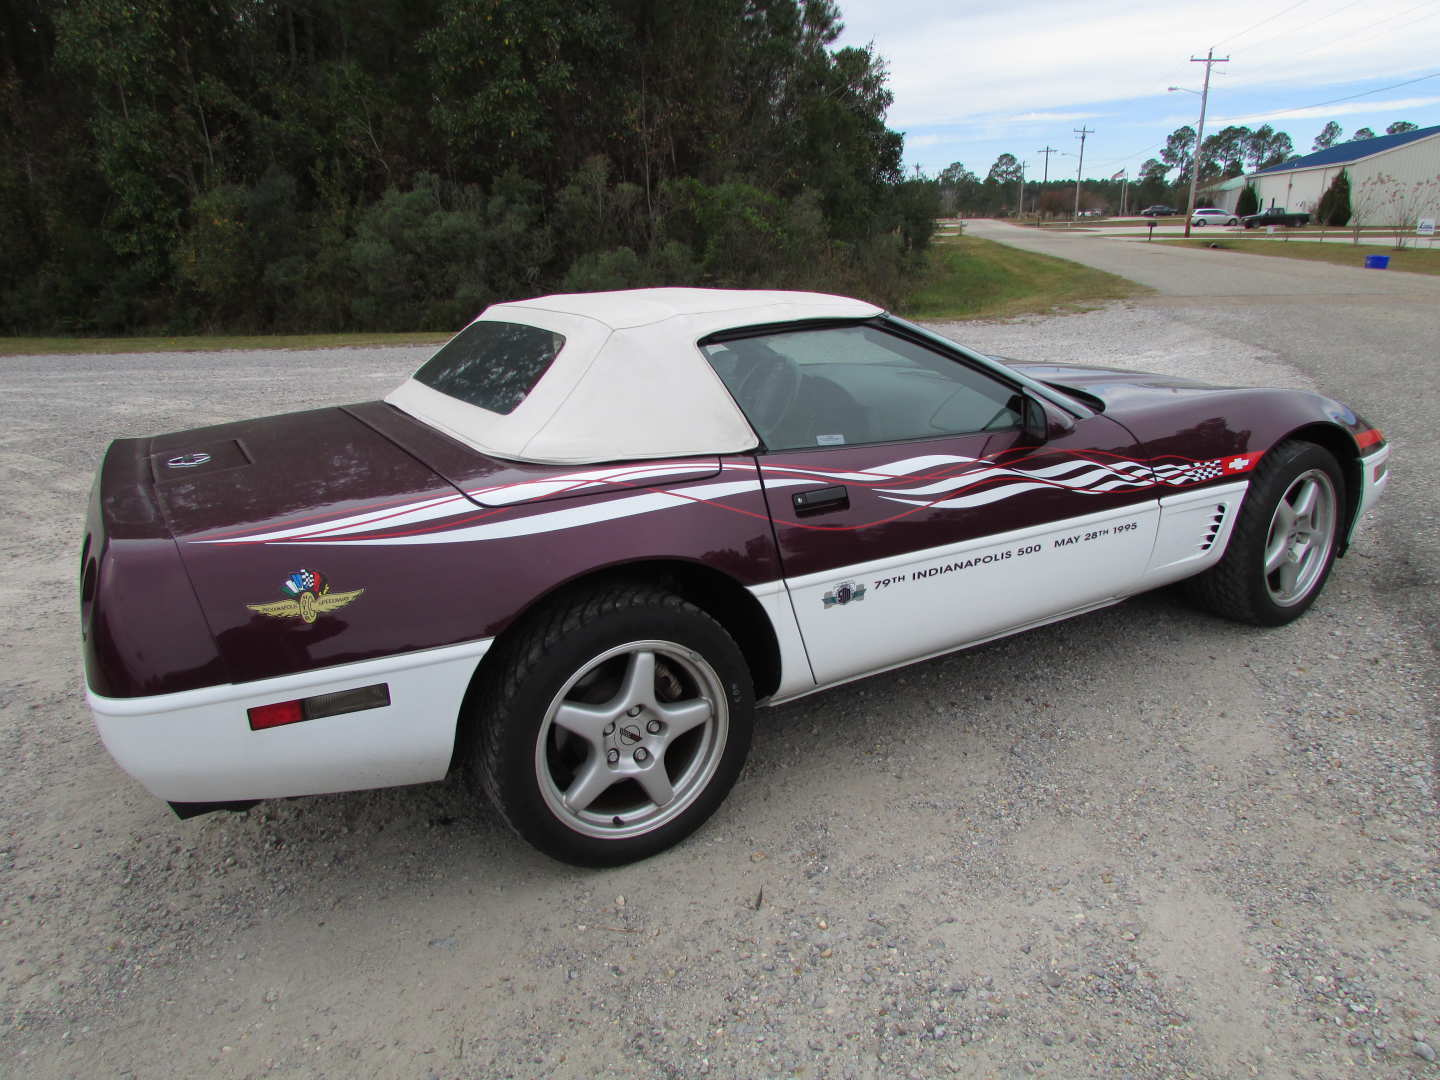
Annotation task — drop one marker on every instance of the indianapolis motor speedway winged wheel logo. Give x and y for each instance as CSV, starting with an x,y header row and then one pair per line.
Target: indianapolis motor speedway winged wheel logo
x,y
307,597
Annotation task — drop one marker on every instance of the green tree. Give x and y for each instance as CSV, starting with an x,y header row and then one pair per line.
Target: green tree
x,y
1363,133
1249,201
1179,151
1399,126
1265,147
1006,170
305,164
1328,137
960,189
1223,154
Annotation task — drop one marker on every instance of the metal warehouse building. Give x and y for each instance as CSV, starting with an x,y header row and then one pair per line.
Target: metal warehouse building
x,y
1394,179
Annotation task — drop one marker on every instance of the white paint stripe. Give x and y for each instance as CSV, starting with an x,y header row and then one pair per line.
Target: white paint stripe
x,y
568,518
406,515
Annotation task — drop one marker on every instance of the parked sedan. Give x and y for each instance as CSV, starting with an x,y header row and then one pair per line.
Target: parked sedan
x,y
1204,217
591,533
1159,211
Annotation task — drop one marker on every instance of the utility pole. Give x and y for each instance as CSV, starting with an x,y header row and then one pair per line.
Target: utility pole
x,y
1209,61
1021,211
1047,152
1082,131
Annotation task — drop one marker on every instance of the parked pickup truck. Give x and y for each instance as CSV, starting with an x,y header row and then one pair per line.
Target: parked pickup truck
x,y
1276,215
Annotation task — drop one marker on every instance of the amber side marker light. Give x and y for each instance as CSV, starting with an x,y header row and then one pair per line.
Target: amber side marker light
x,y
313,708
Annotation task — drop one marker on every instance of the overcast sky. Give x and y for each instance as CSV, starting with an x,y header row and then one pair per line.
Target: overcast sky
x,y
1017,77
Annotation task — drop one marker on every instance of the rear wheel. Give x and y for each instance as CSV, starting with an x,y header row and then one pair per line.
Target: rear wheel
x,y
1284,542
615,727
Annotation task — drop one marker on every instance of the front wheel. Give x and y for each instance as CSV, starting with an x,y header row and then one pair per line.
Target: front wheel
x,y
1284,542
615,727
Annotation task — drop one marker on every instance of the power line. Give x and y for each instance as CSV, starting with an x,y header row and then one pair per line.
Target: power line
x,y
1352,40
1316,22
1288,32
1353,97
1262,22
1297,108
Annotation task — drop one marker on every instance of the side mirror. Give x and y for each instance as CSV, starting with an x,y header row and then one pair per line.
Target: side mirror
x,y
1040,422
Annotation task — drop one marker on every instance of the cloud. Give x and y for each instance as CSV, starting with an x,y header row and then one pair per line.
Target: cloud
x,y
1047,117
1330,112
1055,57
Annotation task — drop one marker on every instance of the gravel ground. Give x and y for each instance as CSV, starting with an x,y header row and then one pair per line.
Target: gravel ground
x,y
1143,843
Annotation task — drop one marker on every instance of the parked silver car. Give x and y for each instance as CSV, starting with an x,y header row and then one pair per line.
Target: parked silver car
x,y
1213,217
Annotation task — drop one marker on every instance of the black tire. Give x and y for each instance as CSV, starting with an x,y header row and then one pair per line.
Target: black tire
x,y
1199,223
1284,542
632,690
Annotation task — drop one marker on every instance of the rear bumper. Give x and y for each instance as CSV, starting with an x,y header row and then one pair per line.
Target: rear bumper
x,y
196,746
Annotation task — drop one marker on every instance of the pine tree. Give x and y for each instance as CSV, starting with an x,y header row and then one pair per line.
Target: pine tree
x,y
1249,202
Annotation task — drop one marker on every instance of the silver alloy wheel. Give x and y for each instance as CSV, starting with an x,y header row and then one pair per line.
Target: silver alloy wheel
x,y
1302,533
632,739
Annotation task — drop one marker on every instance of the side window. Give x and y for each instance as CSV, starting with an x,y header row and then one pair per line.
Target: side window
x,y
855,384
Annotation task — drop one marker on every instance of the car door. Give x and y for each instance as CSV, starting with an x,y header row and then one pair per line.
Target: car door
x,y
913,511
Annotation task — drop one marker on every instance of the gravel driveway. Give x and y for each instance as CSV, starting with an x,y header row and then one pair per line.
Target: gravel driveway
x,y
1142,843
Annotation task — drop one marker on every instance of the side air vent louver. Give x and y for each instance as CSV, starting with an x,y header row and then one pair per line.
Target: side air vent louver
x,y
1213,529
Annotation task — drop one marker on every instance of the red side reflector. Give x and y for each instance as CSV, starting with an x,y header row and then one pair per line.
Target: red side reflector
x,y
277,715
321,705
1369,437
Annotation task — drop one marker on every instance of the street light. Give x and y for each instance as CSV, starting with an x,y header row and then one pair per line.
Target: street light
x,y
1195,156
1209,63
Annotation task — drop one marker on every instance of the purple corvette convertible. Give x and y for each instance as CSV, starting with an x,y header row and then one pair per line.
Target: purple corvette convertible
x,y
592,532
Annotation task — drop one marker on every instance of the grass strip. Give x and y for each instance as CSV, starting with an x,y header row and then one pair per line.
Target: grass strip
x,y
43,346
971,278
1410,260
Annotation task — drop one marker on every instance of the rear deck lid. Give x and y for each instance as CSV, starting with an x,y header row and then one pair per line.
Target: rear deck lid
x,y
288,468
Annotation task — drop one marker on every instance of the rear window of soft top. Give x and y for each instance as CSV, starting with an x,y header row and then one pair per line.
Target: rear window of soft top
x,y
492,364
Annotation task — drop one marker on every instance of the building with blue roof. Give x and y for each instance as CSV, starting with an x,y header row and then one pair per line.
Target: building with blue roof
x,y
1394,179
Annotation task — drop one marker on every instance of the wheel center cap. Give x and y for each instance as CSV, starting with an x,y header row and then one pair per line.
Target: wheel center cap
x,y
630,734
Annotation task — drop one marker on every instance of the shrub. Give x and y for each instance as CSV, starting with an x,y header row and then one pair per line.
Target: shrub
x,y
1334,208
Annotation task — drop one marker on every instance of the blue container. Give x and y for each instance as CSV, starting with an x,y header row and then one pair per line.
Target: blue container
x,y
1376,262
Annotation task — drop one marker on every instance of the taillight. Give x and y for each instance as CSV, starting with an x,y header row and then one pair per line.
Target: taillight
x,y
1370,437
313,708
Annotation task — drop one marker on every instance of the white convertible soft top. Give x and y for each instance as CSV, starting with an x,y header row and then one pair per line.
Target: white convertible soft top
x,y
630,380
